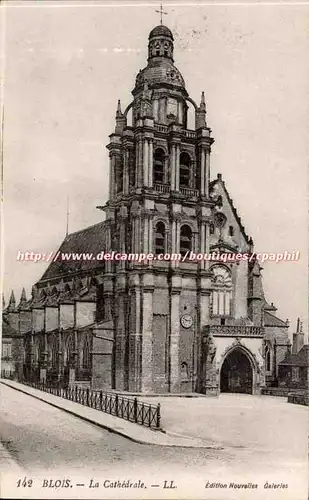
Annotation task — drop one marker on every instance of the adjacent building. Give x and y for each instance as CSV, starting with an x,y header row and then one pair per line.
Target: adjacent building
x,y
293,370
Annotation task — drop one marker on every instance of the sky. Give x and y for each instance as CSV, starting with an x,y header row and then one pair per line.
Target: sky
x,y
63,68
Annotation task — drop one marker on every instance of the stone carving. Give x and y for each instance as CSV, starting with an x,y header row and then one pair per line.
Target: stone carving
x,y
209,347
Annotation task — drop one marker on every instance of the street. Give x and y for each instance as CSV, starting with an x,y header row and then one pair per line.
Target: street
x,y
42,438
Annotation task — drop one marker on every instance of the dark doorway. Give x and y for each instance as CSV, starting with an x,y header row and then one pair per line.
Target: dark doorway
x,y
236,373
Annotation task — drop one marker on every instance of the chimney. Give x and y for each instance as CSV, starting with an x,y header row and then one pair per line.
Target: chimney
x,y
298,338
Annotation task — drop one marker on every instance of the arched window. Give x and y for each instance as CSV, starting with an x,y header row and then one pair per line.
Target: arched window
x,y
86,355
267,358
185,239
184,172
68,353
160,238
36,355
222,291
158,166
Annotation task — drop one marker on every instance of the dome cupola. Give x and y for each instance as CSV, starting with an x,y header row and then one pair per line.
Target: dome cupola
x,y
160,71
160,43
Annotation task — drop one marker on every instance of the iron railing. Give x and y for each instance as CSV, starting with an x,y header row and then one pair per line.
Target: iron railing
x,y
130,409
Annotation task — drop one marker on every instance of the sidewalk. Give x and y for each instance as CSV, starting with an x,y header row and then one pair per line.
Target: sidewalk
x,y
132,431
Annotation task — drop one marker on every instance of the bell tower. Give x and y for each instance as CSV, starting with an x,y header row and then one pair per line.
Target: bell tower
x,y
158,203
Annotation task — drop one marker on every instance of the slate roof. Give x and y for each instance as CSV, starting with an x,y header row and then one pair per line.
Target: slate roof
x,y
299,359
272,320
7,329
88,240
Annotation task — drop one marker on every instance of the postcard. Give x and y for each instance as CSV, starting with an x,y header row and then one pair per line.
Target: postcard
x,y
154,254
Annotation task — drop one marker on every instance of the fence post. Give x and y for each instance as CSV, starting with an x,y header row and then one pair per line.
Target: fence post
x,y
76,392
143,413
116,405
158,416
101,399
135,409
87,396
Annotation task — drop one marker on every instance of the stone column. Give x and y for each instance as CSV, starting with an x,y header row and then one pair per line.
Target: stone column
x,y
202,244
145,162
120,344
112,175
207,172
139,161
126,171
177,167
108,263
174,242
173,167
146,235
202,159
137,234
177,240
150,163
135,339
147,385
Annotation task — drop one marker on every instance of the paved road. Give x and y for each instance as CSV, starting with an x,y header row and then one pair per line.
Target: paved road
x,y
40,436
43,439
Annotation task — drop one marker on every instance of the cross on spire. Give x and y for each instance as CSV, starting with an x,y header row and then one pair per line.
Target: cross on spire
x,y
161,12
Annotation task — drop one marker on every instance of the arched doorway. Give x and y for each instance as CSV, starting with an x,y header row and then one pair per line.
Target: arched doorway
x,y
236,373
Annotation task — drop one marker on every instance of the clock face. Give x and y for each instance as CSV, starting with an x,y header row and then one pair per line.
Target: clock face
x,y
186,320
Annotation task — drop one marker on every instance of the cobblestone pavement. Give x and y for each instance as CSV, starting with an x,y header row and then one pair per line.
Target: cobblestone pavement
x,y
43,438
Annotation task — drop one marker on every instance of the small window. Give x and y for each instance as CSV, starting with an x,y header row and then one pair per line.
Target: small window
x,y
184,173
222,321
231,231
211,229
295,373
7,350
160,238
158,166
185,239
157,52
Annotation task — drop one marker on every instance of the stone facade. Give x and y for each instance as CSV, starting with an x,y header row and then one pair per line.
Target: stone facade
x,y
157,326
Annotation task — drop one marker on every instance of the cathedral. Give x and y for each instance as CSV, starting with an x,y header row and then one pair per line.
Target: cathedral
x,y
157,326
